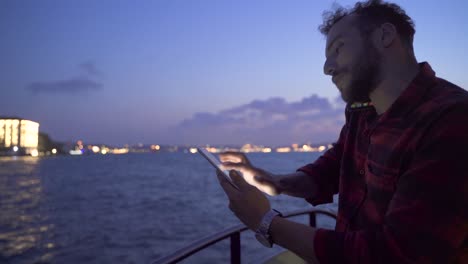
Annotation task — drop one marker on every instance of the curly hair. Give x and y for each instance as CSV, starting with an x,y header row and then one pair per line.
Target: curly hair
x,y
371,14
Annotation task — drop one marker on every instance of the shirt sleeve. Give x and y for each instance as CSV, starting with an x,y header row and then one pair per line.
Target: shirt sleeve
x,y
325,172
427,218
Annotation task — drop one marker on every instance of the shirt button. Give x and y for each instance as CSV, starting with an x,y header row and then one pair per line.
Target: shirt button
x,y
361,172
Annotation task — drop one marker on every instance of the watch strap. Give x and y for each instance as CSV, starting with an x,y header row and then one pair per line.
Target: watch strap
x,y
265,224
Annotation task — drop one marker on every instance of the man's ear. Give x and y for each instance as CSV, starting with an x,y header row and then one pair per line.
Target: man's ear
x,y
387,34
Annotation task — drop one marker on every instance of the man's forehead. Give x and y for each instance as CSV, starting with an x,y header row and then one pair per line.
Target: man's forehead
x,y
341,28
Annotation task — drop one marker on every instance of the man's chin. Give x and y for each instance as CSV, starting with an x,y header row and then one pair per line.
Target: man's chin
x,y
351,97
340,89
345,98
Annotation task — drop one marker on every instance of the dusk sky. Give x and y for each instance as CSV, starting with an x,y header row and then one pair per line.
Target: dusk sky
x,y
191,72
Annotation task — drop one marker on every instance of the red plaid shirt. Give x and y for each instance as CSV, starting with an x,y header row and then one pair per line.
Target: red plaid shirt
x,y
402,179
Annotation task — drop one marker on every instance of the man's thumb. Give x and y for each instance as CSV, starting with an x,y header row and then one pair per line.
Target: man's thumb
x,y
238,179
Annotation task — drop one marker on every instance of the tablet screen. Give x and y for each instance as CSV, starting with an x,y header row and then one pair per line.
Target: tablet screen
x,y
216,163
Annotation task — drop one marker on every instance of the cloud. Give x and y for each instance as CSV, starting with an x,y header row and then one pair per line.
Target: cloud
x,y
272,122
89,67
70,86
76,85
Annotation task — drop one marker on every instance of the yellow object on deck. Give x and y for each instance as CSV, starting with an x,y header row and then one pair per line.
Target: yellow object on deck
x,y
285,257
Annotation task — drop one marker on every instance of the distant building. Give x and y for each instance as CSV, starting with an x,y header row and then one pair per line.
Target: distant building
x,y
19,135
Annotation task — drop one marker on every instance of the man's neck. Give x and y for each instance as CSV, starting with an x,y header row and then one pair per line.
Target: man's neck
x,y
395,80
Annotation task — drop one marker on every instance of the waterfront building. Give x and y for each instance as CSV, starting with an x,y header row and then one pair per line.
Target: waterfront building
x,y
19,135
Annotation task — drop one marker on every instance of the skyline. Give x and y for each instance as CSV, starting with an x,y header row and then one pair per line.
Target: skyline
x,y
174,72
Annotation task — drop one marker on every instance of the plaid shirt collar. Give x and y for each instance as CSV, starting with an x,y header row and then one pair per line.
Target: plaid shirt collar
x,y
409,99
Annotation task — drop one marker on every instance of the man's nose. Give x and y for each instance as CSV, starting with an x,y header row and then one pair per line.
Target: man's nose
x,y
328,68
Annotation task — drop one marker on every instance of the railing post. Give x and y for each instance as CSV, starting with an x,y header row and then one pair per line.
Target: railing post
x,y
235,248
312,219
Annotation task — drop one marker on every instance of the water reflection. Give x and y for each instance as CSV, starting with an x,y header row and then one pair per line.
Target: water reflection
x,y
24,230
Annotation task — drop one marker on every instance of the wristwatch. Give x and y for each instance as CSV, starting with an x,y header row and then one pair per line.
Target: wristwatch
x,y
262,233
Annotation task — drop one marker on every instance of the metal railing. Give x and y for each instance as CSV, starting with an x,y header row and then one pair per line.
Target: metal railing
x,y
234,234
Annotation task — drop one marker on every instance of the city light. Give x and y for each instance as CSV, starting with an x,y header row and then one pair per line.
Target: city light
x,y
266,150
76,152
34,153
119,151
29,131
19,135
23,139
212,150
155,147
251,148
283,150
95,149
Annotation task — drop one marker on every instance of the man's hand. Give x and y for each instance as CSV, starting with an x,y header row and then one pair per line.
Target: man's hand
x,y
257,177
250,205
247,203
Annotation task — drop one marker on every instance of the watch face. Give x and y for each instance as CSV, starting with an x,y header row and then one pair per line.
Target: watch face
x,y
263,240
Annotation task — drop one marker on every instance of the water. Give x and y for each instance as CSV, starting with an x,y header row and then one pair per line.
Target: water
x,y
130,208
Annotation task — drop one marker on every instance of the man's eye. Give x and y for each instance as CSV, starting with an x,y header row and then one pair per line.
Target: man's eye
x,y
337,49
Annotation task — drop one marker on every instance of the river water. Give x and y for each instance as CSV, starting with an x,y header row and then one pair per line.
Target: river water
x,y
130,208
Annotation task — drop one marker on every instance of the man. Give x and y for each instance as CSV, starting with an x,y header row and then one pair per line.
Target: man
x,y
400,164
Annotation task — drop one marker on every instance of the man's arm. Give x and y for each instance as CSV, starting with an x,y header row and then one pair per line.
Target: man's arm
x,y
296,237
320,178
297,184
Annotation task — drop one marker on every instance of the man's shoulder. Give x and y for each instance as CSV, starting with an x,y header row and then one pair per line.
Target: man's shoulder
x,y
447,93
443,112
442,98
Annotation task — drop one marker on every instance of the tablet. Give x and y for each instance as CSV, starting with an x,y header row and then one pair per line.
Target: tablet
x,y
216,163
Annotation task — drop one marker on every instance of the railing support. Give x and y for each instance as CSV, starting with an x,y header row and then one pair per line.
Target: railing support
x,y
234,234
235,248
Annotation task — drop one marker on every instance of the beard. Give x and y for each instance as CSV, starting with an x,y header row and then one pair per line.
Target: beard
x,y
364,76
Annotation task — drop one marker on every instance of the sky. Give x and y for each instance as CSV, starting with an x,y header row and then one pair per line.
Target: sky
x,y
191,72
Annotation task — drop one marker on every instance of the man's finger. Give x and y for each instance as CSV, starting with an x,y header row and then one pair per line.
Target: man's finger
x,y
264,180
231,156
238,179
233,166
227,187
